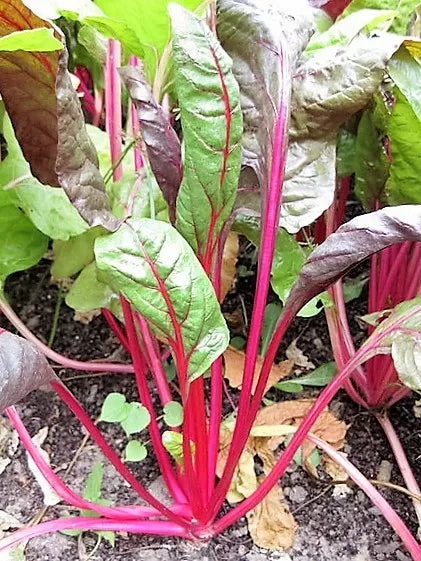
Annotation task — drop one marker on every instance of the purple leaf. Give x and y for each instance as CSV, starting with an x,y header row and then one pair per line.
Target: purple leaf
x,y
253,33
23,368
77,161
349,245
162,143
47,118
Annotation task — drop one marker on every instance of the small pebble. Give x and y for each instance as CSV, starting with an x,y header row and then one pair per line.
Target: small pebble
x,y
298,494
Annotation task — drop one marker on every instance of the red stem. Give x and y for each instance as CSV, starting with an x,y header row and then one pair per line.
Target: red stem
x,y
155,434
116,328
154,527
138,161
56,357
109,453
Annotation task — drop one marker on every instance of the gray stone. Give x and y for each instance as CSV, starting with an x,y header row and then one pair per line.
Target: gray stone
x,y
298,494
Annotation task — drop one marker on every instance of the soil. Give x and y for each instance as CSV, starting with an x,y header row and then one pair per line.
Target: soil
x,y
332,527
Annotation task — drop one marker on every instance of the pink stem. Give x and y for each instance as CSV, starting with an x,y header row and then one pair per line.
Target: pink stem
x,y
154,527
270,220
391,277
99,101
214,421
154,360
138,161
140,373
376,498
63,491
402,460
109,453
117,330
56,357
305,426
113,105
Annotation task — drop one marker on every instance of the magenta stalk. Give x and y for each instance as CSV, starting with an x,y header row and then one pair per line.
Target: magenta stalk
x,y
151,527
402,460
113,105
376,498
110,454
56,357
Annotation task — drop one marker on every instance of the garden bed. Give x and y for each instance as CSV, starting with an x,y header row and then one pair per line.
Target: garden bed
x,y
332,527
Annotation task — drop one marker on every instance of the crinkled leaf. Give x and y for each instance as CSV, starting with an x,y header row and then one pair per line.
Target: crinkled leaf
x,y
404,130
27,86
154,267
23,368
115,408
405,71
404,9
47,118
48,208
41,40
211,118
137,419
88,293
173,414
343,31
77,161
405,316
135,451
406,353
21,244
255,34
349,245
371,163
161,140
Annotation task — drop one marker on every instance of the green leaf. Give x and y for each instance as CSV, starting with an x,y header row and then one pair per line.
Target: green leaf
x,y
319,377
154,267
92,491
173,414
41,40
404,130
289,387
352,288
47,207
21,244
404,10
88,293
406,354
211,118
270,319
405,71
148,21
288,259
173,443
73,255
119,30
135,451
371,163
344,30
108,536
114,409
345,153
137,418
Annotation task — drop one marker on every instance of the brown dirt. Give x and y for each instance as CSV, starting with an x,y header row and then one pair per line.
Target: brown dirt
x,y
331,529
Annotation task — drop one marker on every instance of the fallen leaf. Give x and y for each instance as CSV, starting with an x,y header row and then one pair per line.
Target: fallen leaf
x,y
384,472
9,442
417,409
299,358
333,469
50,496
234,365
8,522
327,426
86,317
229,261
271,524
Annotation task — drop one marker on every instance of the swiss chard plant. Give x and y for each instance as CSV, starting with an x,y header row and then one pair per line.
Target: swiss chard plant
x,y
266,94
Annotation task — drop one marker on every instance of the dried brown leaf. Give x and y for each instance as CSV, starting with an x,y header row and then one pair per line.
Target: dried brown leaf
x,y
229,261
234,365
271,524
297,355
